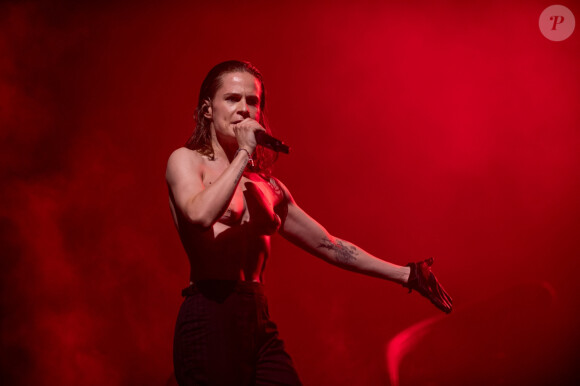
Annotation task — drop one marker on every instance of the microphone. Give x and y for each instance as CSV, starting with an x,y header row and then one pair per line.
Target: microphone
x,y
266,140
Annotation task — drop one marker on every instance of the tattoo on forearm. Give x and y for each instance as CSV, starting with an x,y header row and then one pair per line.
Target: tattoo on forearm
x,y
344,254
240,172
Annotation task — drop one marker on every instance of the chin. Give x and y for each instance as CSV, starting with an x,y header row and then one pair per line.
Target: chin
x,y
227,138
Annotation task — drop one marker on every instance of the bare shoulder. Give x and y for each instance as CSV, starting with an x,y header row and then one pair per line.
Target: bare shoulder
x,y
184,154
183,160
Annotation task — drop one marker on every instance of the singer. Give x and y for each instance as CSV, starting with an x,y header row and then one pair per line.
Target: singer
x,y
225,205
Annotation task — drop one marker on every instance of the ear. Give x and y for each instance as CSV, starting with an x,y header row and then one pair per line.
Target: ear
x,y
206,109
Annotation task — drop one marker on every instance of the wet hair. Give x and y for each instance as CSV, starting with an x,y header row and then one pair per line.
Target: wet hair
x,y
200,140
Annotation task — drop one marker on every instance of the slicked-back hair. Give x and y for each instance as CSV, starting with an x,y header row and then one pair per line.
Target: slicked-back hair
x,y
200,140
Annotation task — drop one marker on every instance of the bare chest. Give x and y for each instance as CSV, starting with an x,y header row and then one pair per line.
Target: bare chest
x,y
253,203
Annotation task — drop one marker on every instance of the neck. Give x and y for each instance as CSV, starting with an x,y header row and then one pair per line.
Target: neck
x,y
223,148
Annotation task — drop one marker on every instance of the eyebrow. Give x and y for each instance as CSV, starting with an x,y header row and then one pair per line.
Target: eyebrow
x,y
237,94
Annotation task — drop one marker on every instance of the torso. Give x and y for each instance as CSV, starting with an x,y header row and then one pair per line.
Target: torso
x,y
238,244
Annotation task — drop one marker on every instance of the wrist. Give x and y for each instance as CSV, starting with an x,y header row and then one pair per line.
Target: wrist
x,y
248,149
406,275
247,152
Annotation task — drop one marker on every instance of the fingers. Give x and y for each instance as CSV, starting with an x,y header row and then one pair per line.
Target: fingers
x,y
439,297
444,295
447,297
428,286
444,301
244,132
249,124
444,298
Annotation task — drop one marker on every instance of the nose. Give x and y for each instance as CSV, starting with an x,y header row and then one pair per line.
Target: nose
x,y
243,108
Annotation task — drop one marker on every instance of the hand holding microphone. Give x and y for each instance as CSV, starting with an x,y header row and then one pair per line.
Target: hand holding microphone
x,y
262,138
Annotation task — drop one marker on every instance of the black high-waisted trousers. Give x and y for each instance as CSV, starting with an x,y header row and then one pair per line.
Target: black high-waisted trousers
x,y
224,336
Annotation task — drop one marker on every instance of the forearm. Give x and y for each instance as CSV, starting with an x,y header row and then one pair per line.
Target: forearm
x,y
350,257
209,205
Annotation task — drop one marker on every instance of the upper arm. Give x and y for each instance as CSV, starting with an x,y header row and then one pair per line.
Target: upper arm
x,y
184,178
299,228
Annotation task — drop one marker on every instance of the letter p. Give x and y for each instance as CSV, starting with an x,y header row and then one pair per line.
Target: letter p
x,y
556,22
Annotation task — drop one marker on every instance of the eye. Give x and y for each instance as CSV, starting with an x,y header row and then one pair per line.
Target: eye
x,y
233,98
253,101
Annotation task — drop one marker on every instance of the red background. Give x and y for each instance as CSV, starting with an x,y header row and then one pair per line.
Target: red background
x,y
418,129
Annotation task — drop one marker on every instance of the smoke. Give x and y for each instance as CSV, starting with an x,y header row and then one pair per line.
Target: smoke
x,y
449,130
73,311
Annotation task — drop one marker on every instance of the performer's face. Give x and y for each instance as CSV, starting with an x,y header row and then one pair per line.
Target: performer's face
x,y
237,98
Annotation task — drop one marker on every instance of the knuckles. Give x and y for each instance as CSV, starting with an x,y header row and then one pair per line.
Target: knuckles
x,y
247,125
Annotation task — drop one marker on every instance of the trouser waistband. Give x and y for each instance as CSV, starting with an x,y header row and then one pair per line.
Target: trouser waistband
x,y
222,286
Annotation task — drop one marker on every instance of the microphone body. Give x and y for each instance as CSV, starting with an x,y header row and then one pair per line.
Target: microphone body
x,y
266,140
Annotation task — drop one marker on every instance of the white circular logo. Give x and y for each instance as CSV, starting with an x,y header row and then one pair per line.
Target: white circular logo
x,y
557,23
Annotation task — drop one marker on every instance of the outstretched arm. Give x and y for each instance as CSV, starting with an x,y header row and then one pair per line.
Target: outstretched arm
x,y
302,230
